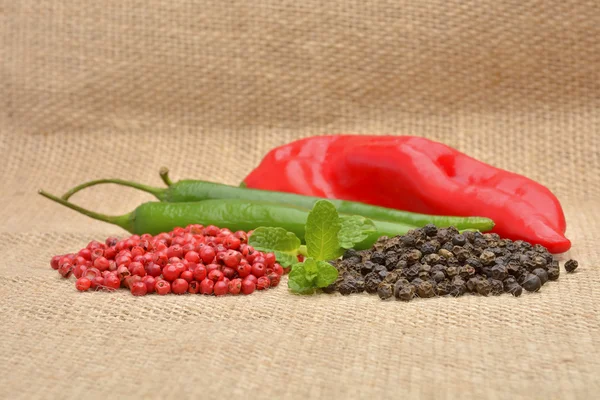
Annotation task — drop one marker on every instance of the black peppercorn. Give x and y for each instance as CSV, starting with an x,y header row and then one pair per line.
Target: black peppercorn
x,y
411,272
459,286
359,284
532,283
499,272
460,253
483,287
347,287
509,281
515,289
448,246
466,271
444,288
497,251
459,240
469,236
475,263
452,272
385,290
432,259
416,281
425,290
372,280
413,256
428,248
380,270
487,257
445,253
392,277
424,276
406,293
542,274
472,284
553,273
430,230
366,267
497,286
378,258
513,267
438,276
571,265
350,253
391,260
540,262
408,240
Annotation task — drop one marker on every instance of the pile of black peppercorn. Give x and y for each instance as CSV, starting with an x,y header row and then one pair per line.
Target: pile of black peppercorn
x,y
431,261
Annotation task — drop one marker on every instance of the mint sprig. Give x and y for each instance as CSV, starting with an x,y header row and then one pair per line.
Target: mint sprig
x,y
327,236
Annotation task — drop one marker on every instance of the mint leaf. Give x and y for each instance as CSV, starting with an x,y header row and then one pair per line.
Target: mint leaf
x,y
283,258
297,281
305,277
321,231
311,269
354,229
282,243
327,274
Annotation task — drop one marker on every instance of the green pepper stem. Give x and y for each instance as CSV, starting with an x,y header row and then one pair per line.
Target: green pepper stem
x,y
164,174
159,193
124,221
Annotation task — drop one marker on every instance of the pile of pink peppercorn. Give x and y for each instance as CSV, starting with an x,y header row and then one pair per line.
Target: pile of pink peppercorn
x,y
196,259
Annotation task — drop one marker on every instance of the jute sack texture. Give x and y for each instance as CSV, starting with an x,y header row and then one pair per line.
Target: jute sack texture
x,y
121,88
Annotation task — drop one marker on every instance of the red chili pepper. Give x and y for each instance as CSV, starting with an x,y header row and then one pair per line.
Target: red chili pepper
x,y
415,174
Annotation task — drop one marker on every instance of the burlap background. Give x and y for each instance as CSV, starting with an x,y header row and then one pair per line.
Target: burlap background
x,y
121,87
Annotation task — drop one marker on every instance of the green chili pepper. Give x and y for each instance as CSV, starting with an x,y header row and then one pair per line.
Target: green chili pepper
x,y
195,190
235,214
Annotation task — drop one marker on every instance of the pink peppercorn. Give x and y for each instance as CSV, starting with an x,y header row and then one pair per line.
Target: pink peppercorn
x,y
235,286
207,286
162,287
139,289
263,283
150,283
248,286
179,286
220,288
83,284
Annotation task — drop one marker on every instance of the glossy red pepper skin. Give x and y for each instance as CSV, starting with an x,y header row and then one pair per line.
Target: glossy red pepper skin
x,y
415,174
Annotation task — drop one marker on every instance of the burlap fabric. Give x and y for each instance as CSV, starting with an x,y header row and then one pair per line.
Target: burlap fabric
x,y
120,88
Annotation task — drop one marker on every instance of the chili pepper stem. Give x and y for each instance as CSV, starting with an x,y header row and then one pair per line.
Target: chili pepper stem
x,y
159,193
124,221
164,174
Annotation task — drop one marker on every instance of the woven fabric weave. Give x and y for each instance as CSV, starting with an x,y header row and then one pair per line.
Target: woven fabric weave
x,y
121,88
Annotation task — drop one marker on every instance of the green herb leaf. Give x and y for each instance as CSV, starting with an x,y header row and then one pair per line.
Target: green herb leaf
x,y
321,231
297,281
283,258
327,274
354,229
311,270
282,243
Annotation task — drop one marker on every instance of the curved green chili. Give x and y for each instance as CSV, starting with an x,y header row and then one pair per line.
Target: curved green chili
x,y
195,190
235,214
